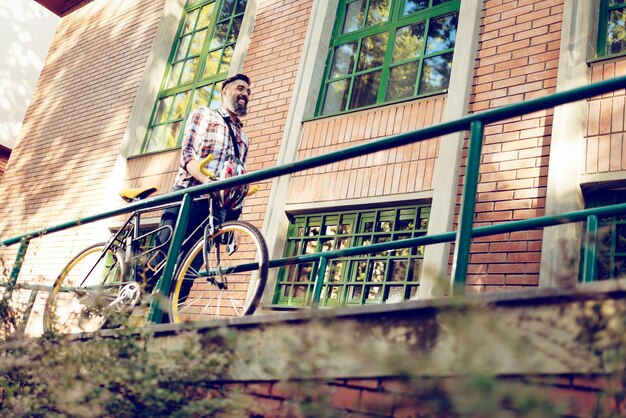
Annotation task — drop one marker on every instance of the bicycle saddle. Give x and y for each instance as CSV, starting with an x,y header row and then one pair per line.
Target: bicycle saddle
x,y
133,195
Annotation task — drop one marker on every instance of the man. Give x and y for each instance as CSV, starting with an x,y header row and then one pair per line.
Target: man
x,y
218,132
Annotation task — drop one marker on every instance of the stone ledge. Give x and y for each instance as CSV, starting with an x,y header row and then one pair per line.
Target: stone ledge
x,y
544,331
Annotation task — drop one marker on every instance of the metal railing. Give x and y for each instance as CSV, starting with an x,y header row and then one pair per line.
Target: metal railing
x,y
462,237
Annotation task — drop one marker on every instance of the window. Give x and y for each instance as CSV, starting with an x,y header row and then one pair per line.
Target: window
x,y
388,50
199,62
604,251
612,28
389,276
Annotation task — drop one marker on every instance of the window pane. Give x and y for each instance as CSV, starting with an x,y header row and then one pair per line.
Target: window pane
x,y
409,42
212,63
355,12
202,96
216,99
372,51
343,60
227,9
190,22
365,89
412,6
402,81
441,33
241,6
180,105
172,135
163,110
336,96
197,42
396,294
175,74
374,293
234,29
154,139
219,37
183,46
616,32
398,270
189,71
435,73
227,58
378,12
438,2
205,15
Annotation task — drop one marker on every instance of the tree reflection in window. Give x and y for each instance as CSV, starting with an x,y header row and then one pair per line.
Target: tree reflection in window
x,y
200,61
384,276
421,35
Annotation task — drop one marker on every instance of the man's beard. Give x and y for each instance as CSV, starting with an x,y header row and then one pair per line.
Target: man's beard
x,y
237,108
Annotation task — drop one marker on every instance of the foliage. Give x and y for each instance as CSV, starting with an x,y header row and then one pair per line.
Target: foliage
x,y
121,376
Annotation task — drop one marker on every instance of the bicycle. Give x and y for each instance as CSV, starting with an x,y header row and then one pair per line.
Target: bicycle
x,y
223,274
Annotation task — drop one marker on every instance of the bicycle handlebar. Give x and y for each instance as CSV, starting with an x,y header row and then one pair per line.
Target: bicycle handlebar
x,y
203,170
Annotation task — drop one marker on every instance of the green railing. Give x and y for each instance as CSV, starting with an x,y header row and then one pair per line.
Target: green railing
x,y
462,236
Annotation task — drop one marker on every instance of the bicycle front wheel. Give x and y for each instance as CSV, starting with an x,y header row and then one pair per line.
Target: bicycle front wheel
x,y
82,292
226,281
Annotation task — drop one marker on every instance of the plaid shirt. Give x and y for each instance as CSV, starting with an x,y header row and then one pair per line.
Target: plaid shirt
x,y
207,133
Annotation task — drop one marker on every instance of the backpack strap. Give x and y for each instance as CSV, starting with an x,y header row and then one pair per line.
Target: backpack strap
x,y
233,138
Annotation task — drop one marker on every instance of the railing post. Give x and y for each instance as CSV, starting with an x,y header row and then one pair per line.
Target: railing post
x,y
165,281
15,271
319,282
590,250
468,203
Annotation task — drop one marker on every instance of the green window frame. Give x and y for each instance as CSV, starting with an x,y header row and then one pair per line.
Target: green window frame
x,y
603,252
198,63
386,51
611,28
386,277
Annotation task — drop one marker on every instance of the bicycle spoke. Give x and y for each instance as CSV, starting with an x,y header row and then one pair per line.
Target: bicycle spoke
x,y
83,290
235,270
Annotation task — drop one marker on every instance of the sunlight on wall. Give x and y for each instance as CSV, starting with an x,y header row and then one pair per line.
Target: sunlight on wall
x,y
26,31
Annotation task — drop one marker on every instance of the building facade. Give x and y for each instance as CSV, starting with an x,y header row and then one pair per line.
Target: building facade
x,y
121,78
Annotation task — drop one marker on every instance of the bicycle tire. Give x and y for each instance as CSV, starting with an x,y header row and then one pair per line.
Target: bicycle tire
x,y
68,311
196,295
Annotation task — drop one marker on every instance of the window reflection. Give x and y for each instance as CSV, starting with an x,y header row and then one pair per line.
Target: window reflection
x,y
441,33
435,73
616,33
343,60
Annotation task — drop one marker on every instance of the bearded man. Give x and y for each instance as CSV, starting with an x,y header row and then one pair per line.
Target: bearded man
x,y
208,131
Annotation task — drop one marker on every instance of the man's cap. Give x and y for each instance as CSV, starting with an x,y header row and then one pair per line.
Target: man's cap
x,y
235,78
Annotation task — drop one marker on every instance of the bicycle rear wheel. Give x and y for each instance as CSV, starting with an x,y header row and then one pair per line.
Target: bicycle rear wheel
x,y
82,292
229,284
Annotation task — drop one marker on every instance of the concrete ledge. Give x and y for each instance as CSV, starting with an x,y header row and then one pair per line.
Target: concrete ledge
x,y
545,331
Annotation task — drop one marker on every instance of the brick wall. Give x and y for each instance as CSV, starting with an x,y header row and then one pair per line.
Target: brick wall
x,y
517,60
5,153
398,170
605,149
74,127
571,395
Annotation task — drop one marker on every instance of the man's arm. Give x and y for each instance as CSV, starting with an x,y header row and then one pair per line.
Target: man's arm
x,y
193,168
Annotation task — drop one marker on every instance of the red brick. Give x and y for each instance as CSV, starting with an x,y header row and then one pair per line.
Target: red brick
x,y
346,398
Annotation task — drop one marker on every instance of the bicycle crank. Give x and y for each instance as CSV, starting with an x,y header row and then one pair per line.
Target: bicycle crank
x,y
127,297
